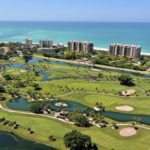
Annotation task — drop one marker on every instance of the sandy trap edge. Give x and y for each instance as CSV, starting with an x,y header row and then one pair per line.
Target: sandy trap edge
x,y
127,132
124,108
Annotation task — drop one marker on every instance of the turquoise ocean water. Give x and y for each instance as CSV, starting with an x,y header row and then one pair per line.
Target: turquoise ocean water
x,y
101,33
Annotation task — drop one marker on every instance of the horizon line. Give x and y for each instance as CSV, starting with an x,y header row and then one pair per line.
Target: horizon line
x,y
75,21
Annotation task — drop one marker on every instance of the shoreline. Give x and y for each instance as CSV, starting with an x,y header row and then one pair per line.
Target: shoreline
x,y
103,49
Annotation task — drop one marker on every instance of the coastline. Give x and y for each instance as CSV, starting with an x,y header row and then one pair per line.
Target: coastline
x,y
145,54
103,49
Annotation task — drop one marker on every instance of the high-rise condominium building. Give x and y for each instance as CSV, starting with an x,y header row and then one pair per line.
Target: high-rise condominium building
x,y
131,51
45,44
78,46
28,42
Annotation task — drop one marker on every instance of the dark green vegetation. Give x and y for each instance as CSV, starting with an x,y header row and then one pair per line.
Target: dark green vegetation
x,y
67,54
126,80
80,120
78,141
122,62
37,107
102,59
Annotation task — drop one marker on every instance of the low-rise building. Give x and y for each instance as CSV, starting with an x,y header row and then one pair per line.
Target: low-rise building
x,y
5,49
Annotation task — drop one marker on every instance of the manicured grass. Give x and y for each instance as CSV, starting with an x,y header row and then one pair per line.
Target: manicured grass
x,y
106,138
107,87
19,60
105,90
87,89
112,140
41,126
18,74
140,104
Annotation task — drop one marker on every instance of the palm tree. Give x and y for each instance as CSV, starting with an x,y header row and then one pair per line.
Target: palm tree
x,y
51,138
98,117
30,131
114,125
100,106
133,124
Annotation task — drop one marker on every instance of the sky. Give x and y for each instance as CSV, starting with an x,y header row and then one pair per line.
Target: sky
x,y
75,10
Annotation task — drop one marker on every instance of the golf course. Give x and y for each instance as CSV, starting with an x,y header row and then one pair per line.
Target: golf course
x,y
80,87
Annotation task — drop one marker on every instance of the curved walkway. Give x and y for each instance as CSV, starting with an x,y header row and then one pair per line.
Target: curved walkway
x,y
147,128
32,114
52,117
65,94
88,92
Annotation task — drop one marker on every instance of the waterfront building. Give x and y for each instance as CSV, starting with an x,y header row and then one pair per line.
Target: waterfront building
x,y
78,46
60,46
45,44
130,51
28,42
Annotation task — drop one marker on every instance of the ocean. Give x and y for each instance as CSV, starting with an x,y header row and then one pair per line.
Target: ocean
x,y
100,33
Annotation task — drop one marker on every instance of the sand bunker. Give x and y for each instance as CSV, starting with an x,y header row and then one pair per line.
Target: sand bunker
x,y
23,71
125,108
126,132
128,92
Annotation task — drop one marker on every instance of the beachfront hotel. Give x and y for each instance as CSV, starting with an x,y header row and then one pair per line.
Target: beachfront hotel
x,y
130,51
78,46
45,44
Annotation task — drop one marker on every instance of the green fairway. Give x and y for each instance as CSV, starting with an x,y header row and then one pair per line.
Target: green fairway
x,y
140,104
105,138
79,84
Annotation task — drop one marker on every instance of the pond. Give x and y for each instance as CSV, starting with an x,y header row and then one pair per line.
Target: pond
x,y
46,75
22,104
43,74
9,141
